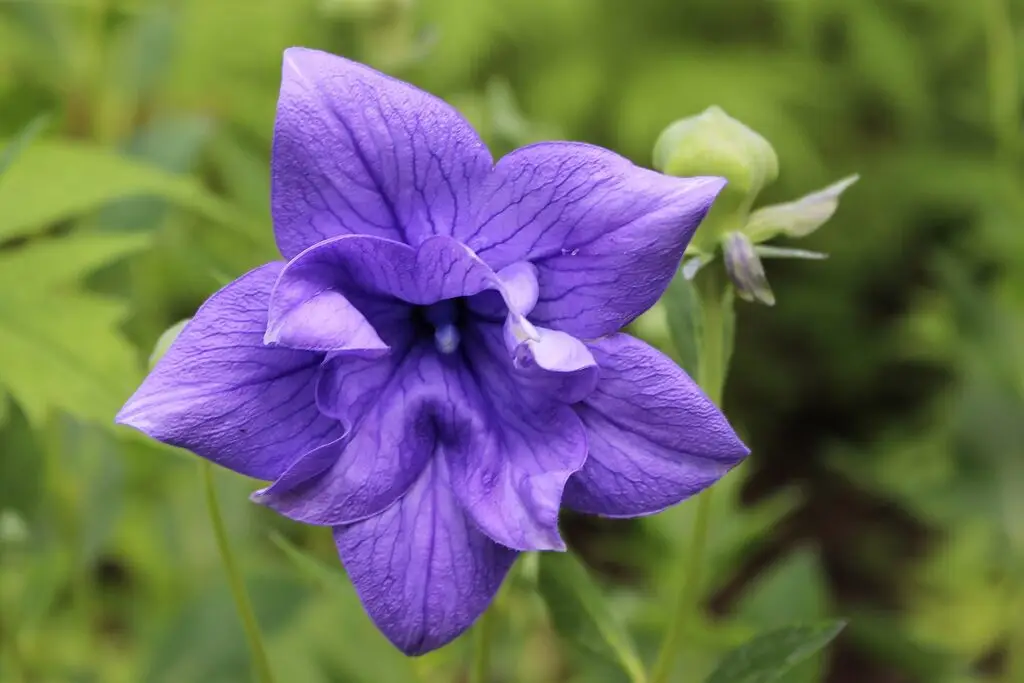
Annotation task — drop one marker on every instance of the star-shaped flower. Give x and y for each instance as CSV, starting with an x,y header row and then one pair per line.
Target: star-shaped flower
x,y
435,368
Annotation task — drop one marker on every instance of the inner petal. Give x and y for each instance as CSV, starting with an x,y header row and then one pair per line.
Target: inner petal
x,y
384,283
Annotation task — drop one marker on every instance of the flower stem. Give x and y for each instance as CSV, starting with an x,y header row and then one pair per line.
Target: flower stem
x,y
714,351
260,663
1004,111
1004,93
482,648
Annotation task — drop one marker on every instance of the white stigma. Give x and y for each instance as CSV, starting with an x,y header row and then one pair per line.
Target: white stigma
x,y
446,338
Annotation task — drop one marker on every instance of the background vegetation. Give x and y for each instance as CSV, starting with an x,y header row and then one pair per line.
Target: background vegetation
x,y
883,395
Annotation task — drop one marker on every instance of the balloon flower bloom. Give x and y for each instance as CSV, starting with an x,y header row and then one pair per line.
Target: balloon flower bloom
x,y
434,368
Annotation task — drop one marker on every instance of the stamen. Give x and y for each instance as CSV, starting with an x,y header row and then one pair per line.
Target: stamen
x,y
446,338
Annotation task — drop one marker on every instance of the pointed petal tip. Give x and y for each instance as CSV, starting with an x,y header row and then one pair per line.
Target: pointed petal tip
x,y
130,416
715,183
259,496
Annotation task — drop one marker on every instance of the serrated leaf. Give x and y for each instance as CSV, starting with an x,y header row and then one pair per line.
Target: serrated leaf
x,y
56,262
65,352
798,218
61,348
767,657
24,139
581,616
58,180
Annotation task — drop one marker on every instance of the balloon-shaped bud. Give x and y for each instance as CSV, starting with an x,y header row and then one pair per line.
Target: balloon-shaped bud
x,y
715,144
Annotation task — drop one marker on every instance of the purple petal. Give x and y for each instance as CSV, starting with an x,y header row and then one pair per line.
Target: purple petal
x,y
357,152
363,272
509,454
340,294
219,392
326,321
375,274
654,438
517,293
421,568
522,289
606,236
394,434
550,363
346,389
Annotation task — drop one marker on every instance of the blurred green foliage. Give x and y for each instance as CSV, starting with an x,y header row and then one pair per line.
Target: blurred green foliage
x,y
883,395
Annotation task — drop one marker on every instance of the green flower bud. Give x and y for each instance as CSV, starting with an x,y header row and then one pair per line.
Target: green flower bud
x,y
715,144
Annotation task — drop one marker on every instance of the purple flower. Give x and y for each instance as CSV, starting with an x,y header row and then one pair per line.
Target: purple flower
x,y
436,367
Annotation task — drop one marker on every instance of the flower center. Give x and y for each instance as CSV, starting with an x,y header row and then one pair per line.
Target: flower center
x,y
443,317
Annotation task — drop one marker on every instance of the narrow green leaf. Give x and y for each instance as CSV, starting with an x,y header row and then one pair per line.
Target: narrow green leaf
x,y
728,329
204,642
24,139
364,656
581,616
21,466
172,144
58,180
800,217
313,569
766,251
145,48
682,306
767,657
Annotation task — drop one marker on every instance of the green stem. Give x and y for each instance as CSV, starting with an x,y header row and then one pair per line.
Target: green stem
x,y
1004,93
482,648
715,342
260,663
1004,102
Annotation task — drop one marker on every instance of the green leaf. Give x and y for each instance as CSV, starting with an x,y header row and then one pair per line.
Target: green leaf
x,y
47,264
313,569
22,465
798,218
61,348
682,307
767,657
27,135
205,641
365,656
582,617
766,251
58,180
170,144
